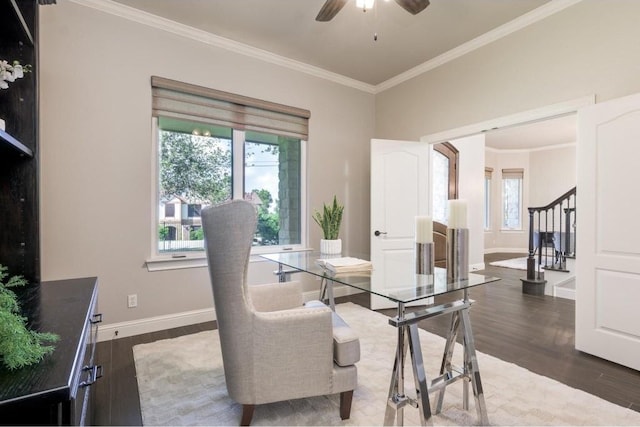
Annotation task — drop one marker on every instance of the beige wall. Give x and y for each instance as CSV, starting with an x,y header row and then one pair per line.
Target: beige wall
x,y
553,173
548,174
471,189
96,134
588,48
498,240
96,142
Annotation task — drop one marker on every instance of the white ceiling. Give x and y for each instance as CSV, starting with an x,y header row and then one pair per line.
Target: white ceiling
x,y
556,131
346,46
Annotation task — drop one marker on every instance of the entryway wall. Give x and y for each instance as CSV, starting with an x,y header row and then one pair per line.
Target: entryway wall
x,y
549,172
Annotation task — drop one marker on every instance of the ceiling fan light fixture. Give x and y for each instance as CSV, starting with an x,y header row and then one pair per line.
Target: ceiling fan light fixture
x,y
364,4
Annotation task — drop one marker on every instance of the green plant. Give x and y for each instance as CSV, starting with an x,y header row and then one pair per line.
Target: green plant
x,y
19,346
329,219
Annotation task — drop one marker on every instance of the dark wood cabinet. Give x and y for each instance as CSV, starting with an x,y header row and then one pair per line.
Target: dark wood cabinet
x,y
58,390
19,236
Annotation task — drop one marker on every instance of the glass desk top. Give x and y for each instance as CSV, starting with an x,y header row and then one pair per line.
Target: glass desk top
x,y
404,288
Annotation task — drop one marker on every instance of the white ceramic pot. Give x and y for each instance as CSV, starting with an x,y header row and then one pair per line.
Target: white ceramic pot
x,y
331,247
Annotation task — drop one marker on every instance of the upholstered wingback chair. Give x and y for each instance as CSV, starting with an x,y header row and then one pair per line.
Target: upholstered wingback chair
x,y
273,347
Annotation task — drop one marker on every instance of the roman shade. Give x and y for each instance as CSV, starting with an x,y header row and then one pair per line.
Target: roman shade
x,y
512,173
488,172
185,101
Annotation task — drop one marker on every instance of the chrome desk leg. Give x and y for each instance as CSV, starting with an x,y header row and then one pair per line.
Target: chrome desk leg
x,y
471,367
332,303
419,375
452,337
396,398
326,288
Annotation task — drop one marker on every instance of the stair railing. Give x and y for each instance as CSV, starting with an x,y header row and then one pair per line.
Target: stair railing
x,y
552,235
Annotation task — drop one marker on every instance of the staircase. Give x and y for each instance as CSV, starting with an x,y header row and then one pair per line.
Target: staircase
x,y
552,246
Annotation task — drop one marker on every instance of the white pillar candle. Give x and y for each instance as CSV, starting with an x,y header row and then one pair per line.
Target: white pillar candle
x,y
457,214
424,229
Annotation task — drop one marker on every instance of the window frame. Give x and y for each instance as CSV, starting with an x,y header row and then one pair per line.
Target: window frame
x,y
193,259
510,174
488,180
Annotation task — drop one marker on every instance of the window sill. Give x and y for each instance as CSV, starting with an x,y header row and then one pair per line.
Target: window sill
x,y
178,262
163,263
511,230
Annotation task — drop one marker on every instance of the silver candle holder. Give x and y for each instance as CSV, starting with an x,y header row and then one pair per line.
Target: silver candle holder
x,y
425,258
457,254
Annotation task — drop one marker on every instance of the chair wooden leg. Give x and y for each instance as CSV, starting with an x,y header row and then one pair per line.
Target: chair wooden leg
x,y
345,404
247,414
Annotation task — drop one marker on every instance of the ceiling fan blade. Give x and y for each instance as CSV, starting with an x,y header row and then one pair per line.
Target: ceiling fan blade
x,y
413,6
330,9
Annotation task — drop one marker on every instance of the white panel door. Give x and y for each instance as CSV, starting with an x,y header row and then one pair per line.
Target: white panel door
x,y
399,192
608,247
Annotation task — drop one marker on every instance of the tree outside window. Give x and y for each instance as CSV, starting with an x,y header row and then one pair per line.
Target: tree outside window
x,y
512,199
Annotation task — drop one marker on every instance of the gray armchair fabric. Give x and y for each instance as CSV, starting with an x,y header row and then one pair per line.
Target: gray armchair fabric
x,y
273,348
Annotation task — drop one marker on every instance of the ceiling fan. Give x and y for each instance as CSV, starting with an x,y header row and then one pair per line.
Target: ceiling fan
x,y
332,7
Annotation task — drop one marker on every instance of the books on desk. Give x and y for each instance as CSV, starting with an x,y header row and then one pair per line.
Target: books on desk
x,y
345,265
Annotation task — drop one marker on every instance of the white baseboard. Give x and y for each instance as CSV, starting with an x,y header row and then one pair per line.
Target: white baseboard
x,y
154,324
176,320
476,267
506,250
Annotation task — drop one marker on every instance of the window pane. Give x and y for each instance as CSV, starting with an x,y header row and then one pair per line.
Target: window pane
x,y
195,171
487,203
272,181
440,187
511,203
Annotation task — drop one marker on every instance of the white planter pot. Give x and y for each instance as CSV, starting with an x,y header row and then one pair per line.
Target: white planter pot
x,y
331,247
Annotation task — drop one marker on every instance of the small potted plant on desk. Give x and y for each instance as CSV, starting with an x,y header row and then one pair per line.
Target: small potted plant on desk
x,y
329,220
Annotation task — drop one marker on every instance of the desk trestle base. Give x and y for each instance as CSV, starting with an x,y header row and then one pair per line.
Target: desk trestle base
x,y
408,339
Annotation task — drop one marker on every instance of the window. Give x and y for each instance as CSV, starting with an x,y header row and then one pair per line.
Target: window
x,y
169,210
207,156
445,179
193,210
487,198
512,199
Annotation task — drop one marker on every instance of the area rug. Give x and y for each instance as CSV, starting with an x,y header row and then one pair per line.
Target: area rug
x,y
515,263
181,382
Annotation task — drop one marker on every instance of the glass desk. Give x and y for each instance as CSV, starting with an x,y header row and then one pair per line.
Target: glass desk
x,y
420,288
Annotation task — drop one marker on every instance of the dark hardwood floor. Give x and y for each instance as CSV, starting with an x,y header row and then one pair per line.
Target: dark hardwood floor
x,y
535,332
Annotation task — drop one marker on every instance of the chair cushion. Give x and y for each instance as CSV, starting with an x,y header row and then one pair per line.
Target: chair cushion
x,y
346,343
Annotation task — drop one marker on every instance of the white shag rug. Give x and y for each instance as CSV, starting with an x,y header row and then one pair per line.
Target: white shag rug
x,y
181,382
515,263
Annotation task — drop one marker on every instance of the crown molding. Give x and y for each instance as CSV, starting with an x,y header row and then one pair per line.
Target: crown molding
x,y
186,31
530,150
504,30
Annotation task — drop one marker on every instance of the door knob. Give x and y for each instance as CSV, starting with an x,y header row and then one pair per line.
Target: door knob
x,y
377,232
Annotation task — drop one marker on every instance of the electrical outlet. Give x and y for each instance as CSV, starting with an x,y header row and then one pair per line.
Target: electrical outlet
x,y
132,300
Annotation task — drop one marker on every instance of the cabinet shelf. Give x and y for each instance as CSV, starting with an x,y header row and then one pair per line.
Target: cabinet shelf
x,y
15,25
9,142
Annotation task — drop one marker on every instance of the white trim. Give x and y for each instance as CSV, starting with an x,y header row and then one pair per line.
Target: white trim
x,y
506,250
176,262
528,116
153,324
504,30
176,320
530,150
476,267
186,31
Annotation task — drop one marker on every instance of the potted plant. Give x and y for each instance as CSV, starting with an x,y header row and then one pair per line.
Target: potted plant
x,y
329,221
